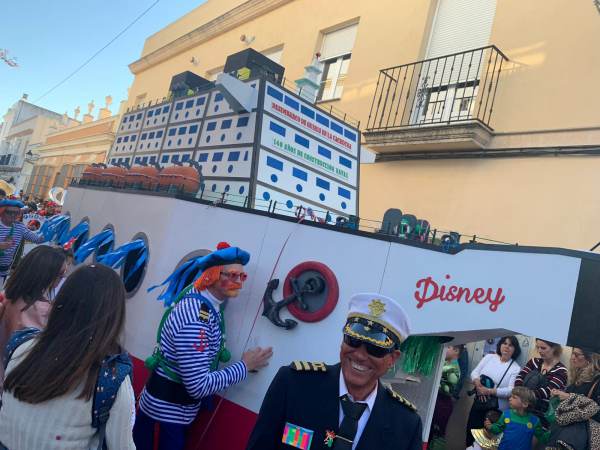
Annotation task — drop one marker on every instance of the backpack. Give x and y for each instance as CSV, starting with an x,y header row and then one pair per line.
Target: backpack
x,y
113,371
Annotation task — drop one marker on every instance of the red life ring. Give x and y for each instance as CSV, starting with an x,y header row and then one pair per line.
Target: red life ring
x,y
332,291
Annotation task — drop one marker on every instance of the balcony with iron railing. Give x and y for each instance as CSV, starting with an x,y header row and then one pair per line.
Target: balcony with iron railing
x,y
436,104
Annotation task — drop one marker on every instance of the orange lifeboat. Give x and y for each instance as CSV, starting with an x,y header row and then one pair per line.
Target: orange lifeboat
x,y
143,177
114,176
184,179
92,174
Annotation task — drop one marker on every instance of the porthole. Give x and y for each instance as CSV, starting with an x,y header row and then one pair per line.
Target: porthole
x,y
83,237
108,246
132,273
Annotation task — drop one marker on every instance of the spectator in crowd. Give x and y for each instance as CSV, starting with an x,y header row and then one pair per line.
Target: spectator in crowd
x,y
518,425
543,374
444,403
493,379
51,380
584,377
579,409
12,233
25,301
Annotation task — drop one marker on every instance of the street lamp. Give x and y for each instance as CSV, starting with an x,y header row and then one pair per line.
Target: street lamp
x,y
31,157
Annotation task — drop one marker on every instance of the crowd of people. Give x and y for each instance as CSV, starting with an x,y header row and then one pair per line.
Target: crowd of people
x,y
66,381
542,405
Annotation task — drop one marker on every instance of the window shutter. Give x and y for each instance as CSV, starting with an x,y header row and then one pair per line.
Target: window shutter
x,y
274,55
459,25
339,42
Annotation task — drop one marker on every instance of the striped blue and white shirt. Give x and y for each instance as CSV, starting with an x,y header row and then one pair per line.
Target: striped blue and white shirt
x,y
193,344
19,233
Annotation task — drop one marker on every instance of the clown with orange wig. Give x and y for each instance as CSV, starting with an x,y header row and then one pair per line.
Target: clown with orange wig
x,y
190,346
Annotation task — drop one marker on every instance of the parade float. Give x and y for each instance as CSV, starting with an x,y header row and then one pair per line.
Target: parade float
x,y
252,162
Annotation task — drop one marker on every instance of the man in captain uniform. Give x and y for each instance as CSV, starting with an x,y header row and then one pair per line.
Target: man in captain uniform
x,y
344,406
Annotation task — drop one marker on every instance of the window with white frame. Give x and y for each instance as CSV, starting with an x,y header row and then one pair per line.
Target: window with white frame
x,y
336,51
274,54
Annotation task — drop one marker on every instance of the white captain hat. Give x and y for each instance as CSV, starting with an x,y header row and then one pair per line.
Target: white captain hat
x,y
377,319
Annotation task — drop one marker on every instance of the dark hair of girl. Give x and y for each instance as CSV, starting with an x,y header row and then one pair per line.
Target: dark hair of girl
x,y
84,327
514,342
35,274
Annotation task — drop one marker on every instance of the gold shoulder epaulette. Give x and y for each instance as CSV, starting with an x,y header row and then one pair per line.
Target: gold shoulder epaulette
x,y
308,366
204,313
401,399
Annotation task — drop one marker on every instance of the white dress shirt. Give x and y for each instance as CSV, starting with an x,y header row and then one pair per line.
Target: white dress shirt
x,y
362,422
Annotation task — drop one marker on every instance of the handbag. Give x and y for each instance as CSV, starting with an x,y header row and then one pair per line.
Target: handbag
x,y
572,430
487,402
536,380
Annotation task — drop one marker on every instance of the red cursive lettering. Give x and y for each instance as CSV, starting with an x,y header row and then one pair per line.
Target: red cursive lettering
x,y
429,290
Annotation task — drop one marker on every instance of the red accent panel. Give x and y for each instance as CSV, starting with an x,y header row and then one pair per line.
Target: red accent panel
x,y
332,297
230,427
140,375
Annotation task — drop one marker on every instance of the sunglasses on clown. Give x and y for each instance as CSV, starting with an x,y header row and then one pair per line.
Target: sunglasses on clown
x,y
235,276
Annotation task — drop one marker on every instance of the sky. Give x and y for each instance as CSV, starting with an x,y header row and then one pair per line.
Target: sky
x,y
50,39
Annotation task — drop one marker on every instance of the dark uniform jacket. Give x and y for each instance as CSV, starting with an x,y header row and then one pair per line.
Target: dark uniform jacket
x,y
307,395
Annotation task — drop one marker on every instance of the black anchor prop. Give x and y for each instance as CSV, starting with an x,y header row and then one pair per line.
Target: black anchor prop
x,y
311,286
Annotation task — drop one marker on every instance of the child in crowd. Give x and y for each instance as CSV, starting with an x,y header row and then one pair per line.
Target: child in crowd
x,y
484,439
518,425
444,403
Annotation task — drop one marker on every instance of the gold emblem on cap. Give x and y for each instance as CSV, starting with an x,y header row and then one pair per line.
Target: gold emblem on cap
x,y
376,307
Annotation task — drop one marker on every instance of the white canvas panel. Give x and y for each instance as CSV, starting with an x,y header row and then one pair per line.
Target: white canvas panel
x,y
131,121
523,288
151,140
182,136
225,162
157,116
310,119
125,143
228,130
289,205
287,176
170,158
235,192
188,108
304,148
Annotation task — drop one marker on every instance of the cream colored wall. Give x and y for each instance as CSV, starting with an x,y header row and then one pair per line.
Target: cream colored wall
x,y
192,20
550,201
390,32
553,76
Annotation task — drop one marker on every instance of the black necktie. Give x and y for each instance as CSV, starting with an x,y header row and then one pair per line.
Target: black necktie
x,y
349,426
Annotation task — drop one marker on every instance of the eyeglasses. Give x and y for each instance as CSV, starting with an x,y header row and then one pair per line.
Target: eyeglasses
x,y
8,212
577,355
234,276
372,350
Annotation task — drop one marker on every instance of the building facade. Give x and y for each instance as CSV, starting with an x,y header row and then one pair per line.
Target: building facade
x,y
482,113
25,127
65,153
